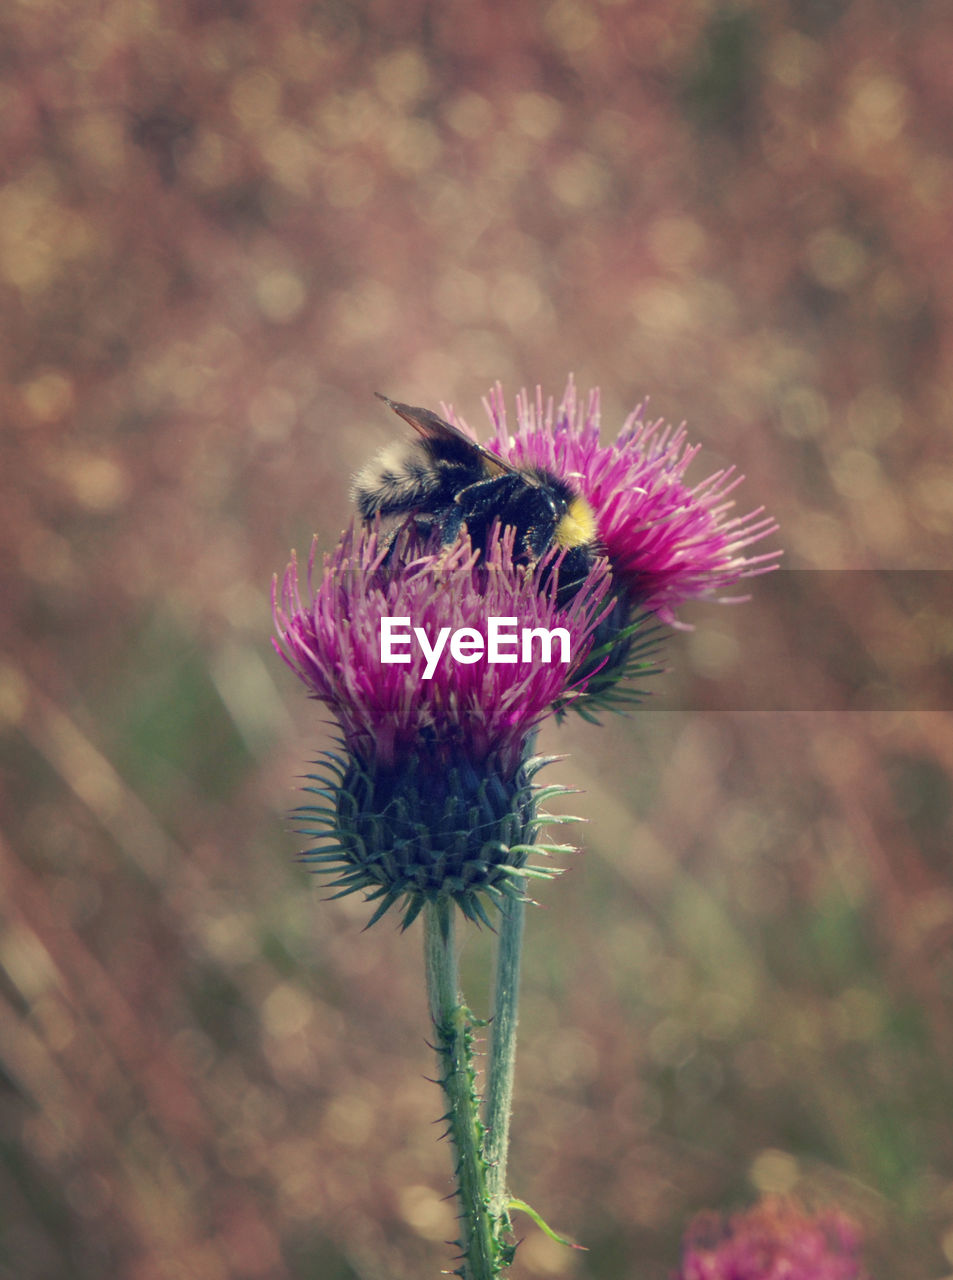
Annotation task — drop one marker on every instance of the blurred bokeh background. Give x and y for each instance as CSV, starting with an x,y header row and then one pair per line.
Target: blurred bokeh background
x,y
223,225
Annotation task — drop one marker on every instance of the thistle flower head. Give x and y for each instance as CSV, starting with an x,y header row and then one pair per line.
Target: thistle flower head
x,y
667,541
433,792
776,1240
385,710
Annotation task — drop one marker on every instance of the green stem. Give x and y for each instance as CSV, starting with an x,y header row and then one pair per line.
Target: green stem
x,y
503,1050
482,1252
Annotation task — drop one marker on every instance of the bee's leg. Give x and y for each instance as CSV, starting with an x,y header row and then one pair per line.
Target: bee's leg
x,y
573,572
450,524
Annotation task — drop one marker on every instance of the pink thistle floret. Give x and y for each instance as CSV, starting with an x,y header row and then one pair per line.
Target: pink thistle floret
x,y
387,711
667,541
777,1240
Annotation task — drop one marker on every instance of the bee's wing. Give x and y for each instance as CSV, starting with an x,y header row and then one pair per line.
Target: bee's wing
x,y
433,427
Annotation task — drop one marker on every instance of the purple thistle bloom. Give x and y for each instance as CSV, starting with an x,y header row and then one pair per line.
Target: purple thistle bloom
x,y
433,793
667,541
776,1240
333,644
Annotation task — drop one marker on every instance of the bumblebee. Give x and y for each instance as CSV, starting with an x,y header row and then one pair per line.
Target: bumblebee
x,y
444,480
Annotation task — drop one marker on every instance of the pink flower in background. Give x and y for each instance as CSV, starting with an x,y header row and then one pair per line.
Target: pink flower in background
x,y
776,1240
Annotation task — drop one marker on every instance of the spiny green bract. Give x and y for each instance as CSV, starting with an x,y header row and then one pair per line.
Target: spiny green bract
x,y
432,827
